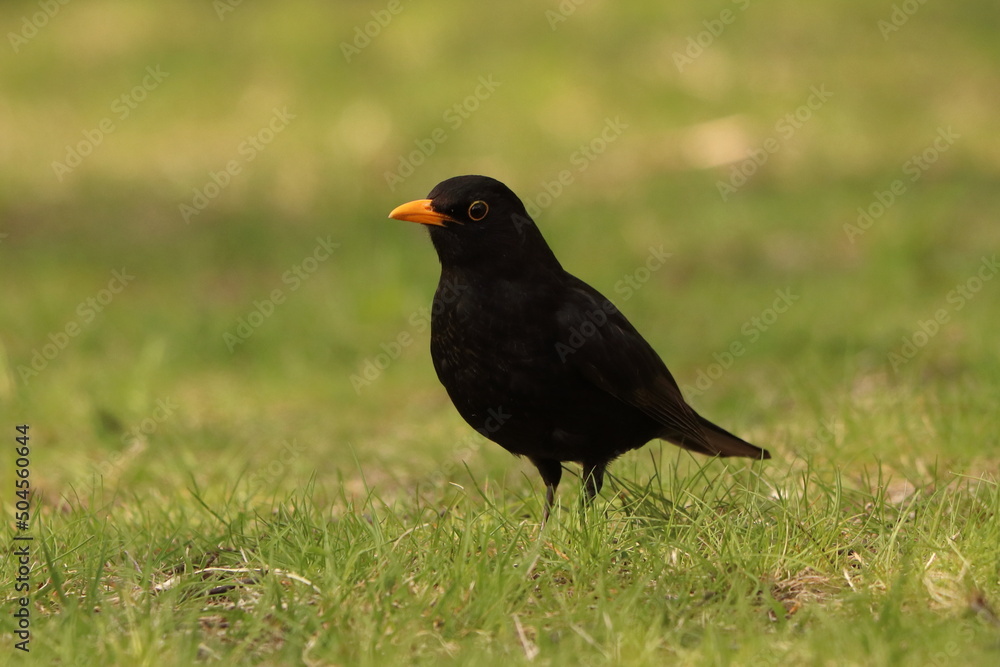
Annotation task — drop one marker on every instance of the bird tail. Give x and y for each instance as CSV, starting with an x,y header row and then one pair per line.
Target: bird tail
x,y
724,443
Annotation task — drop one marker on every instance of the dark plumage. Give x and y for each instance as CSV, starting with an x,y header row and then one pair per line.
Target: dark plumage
x,y
534,358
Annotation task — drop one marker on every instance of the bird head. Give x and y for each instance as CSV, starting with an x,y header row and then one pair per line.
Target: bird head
x,y
478,221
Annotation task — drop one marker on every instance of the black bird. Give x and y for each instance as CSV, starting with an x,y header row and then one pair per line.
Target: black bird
x,y
534,358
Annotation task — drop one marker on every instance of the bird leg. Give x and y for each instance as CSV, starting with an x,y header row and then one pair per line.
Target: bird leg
x,y
550,499
551,472
593,479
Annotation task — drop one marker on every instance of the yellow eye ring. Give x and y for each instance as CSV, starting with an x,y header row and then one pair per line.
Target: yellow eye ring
x,y
478,210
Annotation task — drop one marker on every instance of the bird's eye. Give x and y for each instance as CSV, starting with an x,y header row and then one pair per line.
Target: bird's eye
x,y
478,210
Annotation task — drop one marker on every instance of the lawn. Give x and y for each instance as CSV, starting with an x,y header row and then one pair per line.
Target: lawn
x,y
237,450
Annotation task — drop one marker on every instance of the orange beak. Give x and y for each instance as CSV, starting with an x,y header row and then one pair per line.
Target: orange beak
x,y
420,211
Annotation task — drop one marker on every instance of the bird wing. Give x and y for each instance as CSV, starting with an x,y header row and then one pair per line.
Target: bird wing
x,y
599,342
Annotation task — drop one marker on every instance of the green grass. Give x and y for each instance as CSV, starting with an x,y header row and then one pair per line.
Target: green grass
x,y
699,565
197,504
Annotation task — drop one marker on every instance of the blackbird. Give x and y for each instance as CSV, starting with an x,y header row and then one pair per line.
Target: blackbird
x,y
534,358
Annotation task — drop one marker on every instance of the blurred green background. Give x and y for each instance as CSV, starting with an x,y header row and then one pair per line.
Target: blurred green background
x,y
312,106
